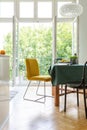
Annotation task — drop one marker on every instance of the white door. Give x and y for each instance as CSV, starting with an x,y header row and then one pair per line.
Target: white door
x,y
15,64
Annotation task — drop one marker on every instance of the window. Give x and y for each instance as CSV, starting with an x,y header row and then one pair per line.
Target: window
x,y
35,40
44,9
64,39
6,40
6,9
26,9
5,29
35,30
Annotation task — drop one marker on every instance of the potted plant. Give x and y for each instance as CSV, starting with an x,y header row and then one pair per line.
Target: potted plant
x,y
74,59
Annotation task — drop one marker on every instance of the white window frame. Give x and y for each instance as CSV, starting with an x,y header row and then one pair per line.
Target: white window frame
x,y
36,19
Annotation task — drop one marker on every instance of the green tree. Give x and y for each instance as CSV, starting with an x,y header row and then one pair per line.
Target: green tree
x,y
8,49
64,40
37,43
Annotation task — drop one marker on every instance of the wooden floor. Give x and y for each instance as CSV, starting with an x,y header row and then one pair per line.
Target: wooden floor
x,y
26,115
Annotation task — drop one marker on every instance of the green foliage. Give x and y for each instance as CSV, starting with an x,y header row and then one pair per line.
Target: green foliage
x,y
8,49
64,40
37,43
73,57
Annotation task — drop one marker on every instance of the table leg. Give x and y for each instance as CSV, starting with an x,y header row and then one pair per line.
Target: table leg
x,y
55,93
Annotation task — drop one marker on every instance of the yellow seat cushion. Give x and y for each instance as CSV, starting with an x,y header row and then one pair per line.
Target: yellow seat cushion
x,y
41,78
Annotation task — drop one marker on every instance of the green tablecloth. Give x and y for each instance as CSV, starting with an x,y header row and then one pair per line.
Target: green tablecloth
x,y
62,74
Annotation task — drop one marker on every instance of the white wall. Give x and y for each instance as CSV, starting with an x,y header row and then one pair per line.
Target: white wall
x,y
83,33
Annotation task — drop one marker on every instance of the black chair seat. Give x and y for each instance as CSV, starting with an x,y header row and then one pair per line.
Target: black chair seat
x,y
75,84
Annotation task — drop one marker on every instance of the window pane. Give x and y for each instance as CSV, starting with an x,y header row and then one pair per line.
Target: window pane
x,y
64,39
5,30
26,9
6,9
35,40
45,9
6,41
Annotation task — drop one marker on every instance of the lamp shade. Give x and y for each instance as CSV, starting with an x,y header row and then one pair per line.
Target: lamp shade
x,y
71,10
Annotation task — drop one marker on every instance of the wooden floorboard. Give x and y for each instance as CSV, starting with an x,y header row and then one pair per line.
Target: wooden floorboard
x,y
26,115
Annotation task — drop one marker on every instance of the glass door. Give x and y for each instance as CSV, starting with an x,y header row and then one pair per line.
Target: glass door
x,y
64,40
15,64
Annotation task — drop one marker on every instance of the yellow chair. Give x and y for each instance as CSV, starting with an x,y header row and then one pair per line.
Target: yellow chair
x,y
32,73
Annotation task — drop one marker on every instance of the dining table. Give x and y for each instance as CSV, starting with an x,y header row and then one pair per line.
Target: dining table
x,y
62,74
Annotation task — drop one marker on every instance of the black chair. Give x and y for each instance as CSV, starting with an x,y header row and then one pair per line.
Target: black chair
x,y
79,85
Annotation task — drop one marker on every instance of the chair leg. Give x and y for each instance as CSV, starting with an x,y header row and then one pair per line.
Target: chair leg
x,y
26,90
85,103
44,90
65,98
36,100
38,89
77,98
44,96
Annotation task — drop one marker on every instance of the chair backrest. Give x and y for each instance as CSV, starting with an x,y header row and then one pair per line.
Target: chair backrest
x,y
84,74
32,68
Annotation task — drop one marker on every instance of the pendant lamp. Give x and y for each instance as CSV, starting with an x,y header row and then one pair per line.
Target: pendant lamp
x,y
71,10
